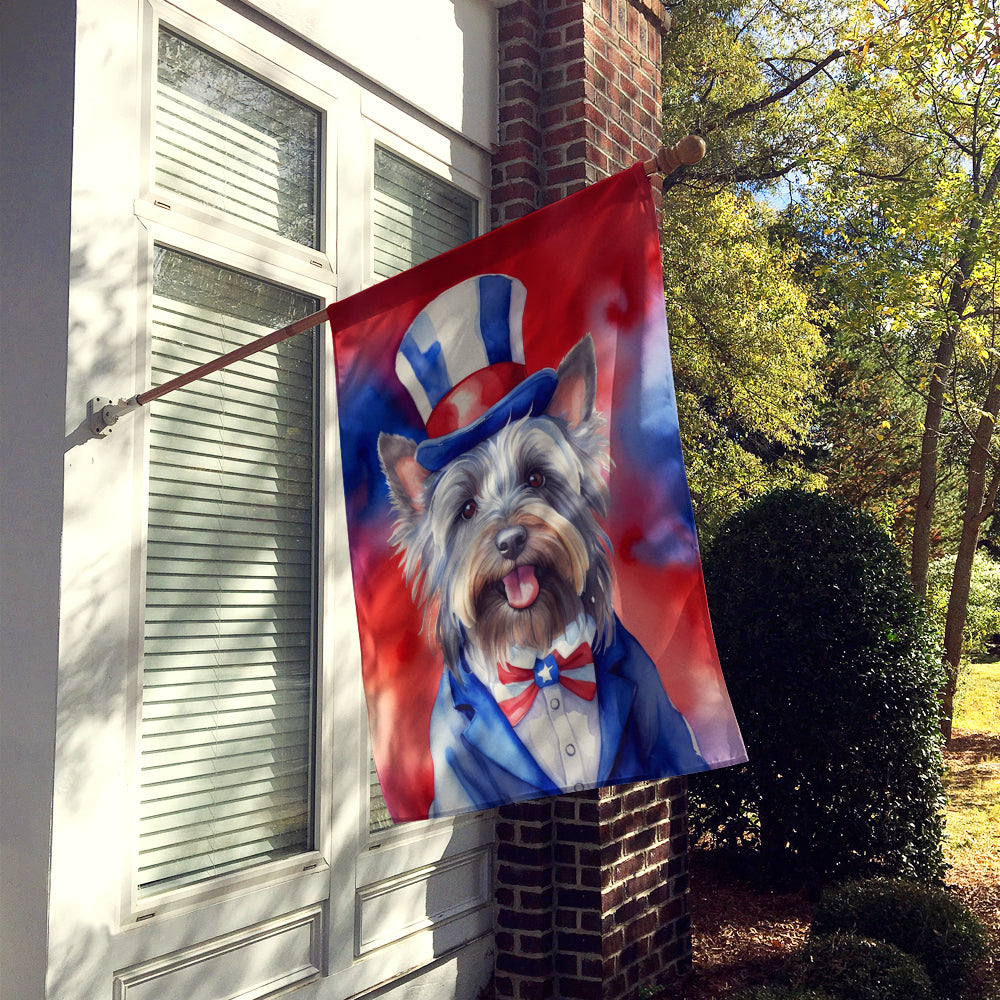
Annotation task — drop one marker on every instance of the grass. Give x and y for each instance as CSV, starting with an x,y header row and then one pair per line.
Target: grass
x,y
972,848
973,783
978,698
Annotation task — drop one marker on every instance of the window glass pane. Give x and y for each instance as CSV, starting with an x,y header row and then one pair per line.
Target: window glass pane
x,y
228,140
228,658
416,217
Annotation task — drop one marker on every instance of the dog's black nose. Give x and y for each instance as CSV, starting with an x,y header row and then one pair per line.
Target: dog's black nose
x,y
511,541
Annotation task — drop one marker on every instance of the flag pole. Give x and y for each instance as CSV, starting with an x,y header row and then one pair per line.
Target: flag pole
x,y
103,414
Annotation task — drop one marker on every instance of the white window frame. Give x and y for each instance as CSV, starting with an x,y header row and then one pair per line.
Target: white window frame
x,y
351,876
177,223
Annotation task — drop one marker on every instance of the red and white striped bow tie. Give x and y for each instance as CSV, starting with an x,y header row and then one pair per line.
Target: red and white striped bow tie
x,y
549,670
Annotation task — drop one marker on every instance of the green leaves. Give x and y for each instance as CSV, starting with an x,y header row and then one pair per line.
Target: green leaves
x,y
745,349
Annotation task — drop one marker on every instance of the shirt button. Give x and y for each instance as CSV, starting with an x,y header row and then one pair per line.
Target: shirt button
x,y
578,787
570,749
554,703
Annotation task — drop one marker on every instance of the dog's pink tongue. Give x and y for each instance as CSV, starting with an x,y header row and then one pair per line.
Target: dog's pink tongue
x,y
521,585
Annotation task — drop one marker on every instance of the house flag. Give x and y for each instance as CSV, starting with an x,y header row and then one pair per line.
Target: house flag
x,y
526,574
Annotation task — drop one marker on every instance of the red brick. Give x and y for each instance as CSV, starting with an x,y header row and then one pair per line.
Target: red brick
x,y
530,899
578,942
521,965
609,808
518,49
639,839
540,989
552,117
599,97
535,944
567,964
515,875
658,854
521,91
642,882
551,39
563,53
521,920
580,898
519,149
567,133
573,988
641,927
572,14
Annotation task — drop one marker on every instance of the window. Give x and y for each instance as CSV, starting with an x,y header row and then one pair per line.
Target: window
x,y
416,215
227,140
228,678
253,804
229,647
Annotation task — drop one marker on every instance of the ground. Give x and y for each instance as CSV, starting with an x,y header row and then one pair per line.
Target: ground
x,y
741,935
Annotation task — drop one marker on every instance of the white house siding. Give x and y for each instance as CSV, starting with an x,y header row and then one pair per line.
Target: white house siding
x,y
410,915
36,117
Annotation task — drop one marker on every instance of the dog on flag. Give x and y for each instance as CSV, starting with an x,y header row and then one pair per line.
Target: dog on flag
x,y
499,534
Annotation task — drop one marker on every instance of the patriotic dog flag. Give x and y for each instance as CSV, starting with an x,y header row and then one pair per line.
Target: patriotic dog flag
x,y
526,575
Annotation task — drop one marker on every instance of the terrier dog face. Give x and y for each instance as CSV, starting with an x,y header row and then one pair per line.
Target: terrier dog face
x,y
503,546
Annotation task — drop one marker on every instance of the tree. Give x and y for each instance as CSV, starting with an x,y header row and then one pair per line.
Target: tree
x,y
746,75
879,123
746,354
912,190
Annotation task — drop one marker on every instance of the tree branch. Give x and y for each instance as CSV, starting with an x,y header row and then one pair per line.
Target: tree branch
x,y
754,106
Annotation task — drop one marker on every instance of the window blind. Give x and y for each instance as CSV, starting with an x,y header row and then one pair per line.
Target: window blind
x,y
228,140
416,216
228,653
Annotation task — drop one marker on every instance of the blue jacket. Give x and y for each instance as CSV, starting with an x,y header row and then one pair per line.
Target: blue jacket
x,y
479,761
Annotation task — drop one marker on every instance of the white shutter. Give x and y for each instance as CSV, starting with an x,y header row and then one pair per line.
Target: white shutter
x,y
416,216
228,661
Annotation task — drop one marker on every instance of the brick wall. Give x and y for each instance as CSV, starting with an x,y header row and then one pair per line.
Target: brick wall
x,y
591,889
579,96
591,893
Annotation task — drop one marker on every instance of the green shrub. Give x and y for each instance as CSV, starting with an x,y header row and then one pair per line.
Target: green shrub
x,y
856,968
925,922
833,673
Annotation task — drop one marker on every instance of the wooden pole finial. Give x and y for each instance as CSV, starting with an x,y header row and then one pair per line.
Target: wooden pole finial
x,y
668,158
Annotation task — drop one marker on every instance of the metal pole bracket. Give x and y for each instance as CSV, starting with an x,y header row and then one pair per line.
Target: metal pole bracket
x,y
103,413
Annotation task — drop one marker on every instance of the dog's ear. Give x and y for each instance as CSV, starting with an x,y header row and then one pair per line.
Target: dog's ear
x,y
576,388
404,474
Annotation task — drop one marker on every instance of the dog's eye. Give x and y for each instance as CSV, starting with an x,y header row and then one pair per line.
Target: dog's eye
x,y
535,479
468,511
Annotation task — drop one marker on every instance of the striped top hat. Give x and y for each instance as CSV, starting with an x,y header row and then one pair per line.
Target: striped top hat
x,y
462,362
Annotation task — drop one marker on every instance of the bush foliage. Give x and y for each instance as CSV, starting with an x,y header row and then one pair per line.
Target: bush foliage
x,y
833,672
982,620
925,922
857,968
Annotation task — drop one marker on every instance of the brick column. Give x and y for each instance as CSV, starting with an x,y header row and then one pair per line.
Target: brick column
x,y
591,889
579,96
